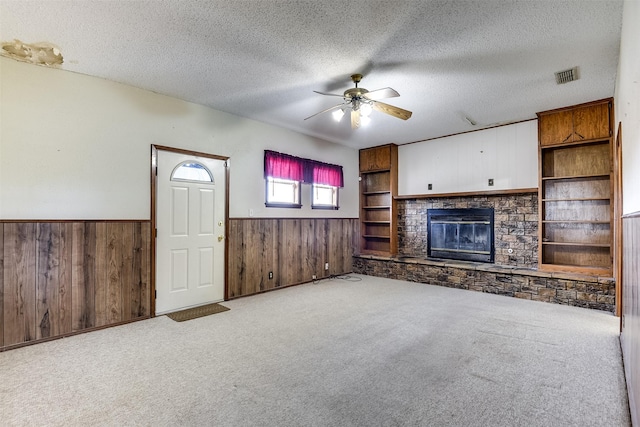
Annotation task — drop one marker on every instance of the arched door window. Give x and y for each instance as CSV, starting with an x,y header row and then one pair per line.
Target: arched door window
x,y
192,171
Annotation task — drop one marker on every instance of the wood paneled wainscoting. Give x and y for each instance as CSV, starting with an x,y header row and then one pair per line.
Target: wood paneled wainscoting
x,y
58,278
630,337
292,250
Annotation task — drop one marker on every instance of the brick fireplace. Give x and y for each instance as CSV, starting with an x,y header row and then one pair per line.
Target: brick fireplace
x,y
515,225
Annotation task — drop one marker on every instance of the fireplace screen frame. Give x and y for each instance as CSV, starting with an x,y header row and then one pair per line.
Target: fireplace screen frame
x,y
451,218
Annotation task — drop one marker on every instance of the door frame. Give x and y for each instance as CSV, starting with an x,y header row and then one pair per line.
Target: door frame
x,y
154,233
618,261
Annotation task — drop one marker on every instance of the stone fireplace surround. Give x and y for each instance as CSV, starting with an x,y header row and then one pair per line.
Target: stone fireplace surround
x,y
514,272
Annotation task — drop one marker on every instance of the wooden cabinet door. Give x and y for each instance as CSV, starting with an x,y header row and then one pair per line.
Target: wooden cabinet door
x,y
591,122
555,128
377,158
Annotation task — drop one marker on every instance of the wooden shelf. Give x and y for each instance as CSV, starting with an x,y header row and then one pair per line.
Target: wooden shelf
x,y
375,236
575,177
376,207
366,193
582,199
376,222
575,268
593,245
374,171
573,221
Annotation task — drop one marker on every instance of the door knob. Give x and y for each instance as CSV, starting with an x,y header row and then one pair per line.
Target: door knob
x,y
220,238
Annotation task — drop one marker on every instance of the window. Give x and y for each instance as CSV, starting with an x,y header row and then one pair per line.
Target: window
x,y
191,171
324,197
284,175
282,193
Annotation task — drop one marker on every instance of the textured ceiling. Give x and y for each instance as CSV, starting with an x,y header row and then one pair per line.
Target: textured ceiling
x,y
492,61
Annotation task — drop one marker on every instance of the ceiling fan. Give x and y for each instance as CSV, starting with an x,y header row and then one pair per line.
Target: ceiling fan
x,y
361,102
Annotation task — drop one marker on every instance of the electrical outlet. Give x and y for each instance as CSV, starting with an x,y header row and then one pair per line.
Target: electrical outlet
x,y
490,182
314,277
270,275
326,265
430,186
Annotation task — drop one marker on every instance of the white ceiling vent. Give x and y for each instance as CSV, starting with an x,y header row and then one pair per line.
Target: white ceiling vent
x,y
567,76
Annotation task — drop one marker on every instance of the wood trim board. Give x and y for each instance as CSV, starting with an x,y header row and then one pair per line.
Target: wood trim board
x,y
468,194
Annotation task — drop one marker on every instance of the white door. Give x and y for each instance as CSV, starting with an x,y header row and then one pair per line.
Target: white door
x,y
190,222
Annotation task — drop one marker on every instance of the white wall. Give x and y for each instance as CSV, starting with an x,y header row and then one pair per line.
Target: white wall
x,y
627,108
465,162
78,147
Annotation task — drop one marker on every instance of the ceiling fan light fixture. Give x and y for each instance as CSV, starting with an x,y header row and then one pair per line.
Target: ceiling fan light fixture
x,y
337,115
360,103
365,109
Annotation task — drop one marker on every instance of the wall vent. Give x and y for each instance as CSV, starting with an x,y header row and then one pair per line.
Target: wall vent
x,y
567,76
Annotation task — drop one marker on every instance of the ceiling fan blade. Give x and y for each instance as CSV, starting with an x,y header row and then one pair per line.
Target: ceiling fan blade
x,y
386,92
392,110
355,119
324,111
329,94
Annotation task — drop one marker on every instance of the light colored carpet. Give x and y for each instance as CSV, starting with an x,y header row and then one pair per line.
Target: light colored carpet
x,y
373,352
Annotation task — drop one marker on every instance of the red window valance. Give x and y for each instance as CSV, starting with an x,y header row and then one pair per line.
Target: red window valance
x,y
285,166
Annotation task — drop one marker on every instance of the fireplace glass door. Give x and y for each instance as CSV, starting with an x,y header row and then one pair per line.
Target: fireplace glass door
x,y
465,234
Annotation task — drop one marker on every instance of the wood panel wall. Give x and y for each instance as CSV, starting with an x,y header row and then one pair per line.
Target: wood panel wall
x,y
292,249
630,337
59,278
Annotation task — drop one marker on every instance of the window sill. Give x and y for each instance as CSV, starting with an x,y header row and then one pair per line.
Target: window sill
x,y
283,205
325,207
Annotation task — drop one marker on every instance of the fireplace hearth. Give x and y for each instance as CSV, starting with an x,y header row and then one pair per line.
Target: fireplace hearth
x,y
461,234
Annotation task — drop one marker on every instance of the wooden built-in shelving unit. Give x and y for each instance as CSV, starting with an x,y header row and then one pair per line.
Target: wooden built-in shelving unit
x,y
378,187
576,192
